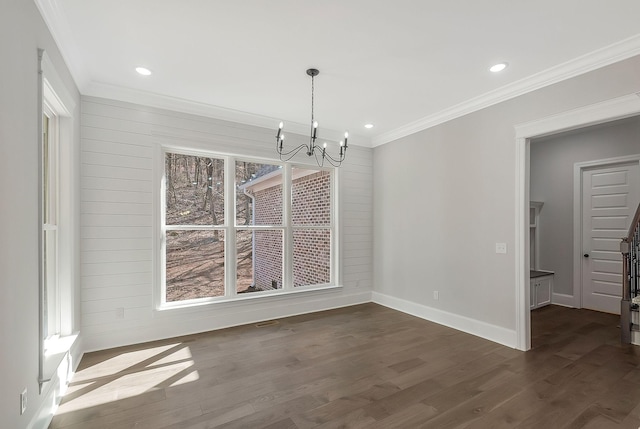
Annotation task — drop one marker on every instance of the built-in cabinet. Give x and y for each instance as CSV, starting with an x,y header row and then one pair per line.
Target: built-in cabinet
x,y
541,287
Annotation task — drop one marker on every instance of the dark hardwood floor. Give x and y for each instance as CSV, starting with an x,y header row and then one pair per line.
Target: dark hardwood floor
x,y
364,367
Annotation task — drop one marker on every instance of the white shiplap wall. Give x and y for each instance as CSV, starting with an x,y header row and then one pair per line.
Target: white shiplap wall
x,y
119,157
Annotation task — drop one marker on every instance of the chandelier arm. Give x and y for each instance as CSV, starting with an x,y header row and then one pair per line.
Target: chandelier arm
x,y
338,160
333,161
293,152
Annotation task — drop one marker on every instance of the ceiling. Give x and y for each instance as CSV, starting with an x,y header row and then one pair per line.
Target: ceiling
x,y
401,65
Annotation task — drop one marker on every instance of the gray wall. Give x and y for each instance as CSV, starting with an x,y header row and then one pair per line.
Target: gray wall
x,y
552,162
22,32
444,196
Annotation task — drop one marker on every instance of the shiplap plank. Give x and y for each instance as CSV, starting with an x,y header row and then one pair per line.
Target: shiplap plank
x,y
362,191
116,280
355,244
104,195
357,230
120,255
356,276
116,244
101,183
108,317
116,220
117,143
113,172
131,301
107,268
102,293
104,122
176,121
115,160
353,261
358,253
115,208
362,200
115,232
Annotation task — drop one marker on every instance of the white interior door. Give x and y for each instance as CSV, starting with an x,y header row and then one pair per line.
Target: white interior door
x,y
610,197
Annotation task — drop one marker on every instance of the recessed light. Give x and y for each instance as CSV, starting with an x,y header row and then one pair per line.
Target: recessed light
x,y
368,126
498,67
143,71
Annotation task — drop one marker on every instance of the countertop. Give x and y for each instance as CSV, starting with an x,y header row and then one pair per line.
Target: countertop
x,y
535,273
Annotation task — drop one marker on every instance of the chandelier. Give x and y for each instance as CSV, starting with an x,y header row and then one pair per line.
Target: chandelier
x,y
319,152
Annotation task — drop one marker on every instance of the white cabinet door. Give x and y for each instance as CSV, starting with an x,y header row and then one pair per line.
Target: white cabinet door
x,y
543,291
541,288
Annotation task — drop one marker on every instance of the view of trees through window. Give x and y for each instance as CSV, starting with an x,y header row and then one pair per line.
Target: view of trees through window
x,y
195,226
194,197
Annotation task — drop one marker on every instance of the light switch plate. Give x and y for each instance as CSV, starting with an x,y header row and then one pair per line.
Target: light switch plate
x,y
501,247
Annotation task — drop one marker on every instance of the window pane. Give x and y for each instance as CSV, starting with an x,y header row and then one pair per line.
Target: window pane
x,y
195,190
195,264
46,168
310,197
259,260
311,257
258,194
51,297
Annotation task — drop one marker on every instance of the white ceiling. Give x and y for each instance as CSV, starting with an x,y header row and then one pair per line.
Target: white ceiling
x,y
401,65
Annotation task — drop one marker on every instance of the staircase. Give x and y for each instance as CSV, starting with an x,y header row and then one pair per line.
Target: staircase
x,y
630,248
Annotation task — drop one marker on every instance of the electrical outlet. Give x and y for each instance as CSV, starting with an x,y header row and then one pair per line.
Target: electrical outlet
x,y
436,295
23,401
120,313
501,247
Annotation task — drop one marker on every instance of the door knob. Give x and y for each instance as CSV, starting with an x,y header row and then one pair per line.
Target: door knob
x,y
586,255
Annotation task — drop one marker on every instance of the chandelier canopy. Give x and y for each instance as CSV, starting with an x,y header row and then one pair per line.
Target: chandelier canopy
x,y
319,152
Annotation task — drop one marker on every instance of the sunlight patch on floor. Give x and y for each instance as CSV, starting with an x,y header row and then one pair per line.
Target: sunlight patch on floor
x,y
128,375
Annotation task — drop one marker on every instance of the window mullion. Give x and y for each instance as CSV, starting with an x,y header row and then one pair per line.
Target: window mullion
x,y
288,229
230,250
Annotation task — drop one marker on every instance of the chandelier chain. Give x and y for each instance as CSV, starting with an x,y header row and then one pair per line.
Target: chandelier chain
x,y
312,96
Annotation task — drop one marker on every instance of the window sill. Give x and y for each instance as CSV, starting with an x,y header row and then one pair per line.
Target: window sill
x,y
202,305
55,349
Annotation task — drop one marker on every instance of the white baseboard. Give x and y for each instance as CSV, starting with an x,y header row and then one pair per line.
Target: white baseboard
x,y
54,390
484,330
563,300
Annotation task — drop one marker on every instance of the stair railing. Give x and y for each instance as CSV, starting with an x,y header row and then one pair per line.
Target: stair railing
x,y
630,249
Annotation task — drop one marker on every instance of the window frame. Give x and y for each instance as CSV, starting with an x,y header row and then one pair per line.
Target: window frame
x,y
57,332
230,227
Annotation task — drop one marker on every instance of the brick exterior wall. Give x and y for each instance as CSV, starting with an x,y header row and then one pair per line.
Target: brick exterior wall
x,y
311,205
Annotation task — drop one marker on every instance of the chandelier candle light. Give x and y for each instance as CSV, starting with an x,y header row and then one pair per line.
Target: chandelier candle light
x,y
320,153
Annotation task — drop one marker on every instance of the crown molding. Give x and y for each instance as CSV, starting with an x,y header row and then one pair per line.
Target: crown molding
x,y
600,58
150,99
59,29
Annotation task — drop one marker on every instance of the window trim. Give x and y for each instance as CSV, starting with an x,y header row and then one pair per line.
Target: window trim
x,y
230,228
54,100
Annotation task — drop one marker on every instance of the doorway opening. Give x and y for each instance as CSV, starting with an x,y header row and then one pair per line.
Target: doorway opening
x,y
601,113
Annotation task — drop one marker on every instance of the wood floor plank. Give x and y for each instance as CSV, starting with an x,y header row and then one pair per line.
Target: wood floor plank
x,y
364,366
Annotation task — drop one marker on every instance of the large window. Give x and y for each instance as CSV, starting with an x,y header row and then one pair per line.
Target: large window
x,y
235,226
